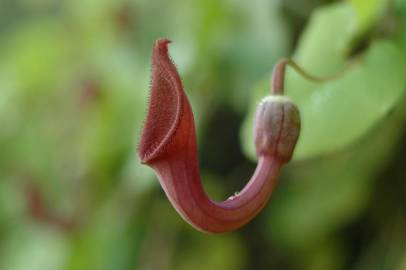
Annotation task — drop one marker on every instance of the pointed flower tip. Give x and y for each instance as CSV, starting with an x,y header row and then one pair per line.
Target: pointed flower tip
x,y
162,44
165,106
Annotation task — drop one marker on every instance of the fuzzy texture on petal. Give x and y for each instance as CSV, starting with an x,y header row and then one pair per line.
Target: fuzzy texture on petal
x,y
165,108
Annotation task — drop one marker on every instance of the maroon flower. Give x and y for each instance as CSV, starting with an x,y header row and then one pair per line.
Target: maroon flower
x,y
168,145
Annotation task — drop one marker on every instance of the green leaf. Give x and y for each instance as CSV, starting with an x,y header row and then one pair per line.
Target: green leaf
x,y
337,113
368,11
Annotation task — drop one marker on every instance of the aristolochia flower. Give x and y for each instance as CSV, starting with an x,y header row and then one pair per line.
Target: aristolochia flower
x,y
168,145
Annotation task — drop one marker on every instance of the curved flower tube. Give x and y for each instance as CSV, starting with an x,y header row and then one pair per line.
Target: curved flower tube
x,y
168,145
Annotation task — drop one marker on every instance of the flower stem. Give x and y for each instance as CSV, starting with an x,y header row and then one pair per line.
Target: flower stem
x,y
278,75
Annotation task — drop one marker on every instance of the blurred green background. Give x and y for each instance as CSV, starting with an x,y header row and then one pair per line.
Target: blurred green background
x,y
74,78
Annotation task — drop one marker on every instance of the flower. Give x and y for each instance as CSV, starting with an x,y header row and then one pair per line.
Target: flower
x,y
168,145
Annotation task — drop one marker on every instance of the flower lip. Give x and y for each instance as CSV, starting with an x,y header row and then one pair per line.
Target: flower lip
x,y
165,104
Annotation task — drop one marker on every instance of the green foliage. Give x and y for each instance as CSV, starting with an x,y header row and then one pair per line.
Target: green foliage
x,y
74,79
335,192
337,113
368,12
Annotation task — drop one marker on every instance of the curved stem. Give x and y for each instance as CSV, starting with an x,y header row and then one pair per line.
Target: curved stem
x,y
180,179
179,175
278,75
188,197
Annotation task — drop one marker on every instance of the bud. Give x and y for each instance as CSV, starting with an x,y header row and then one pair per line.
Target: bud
x,y
277,127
